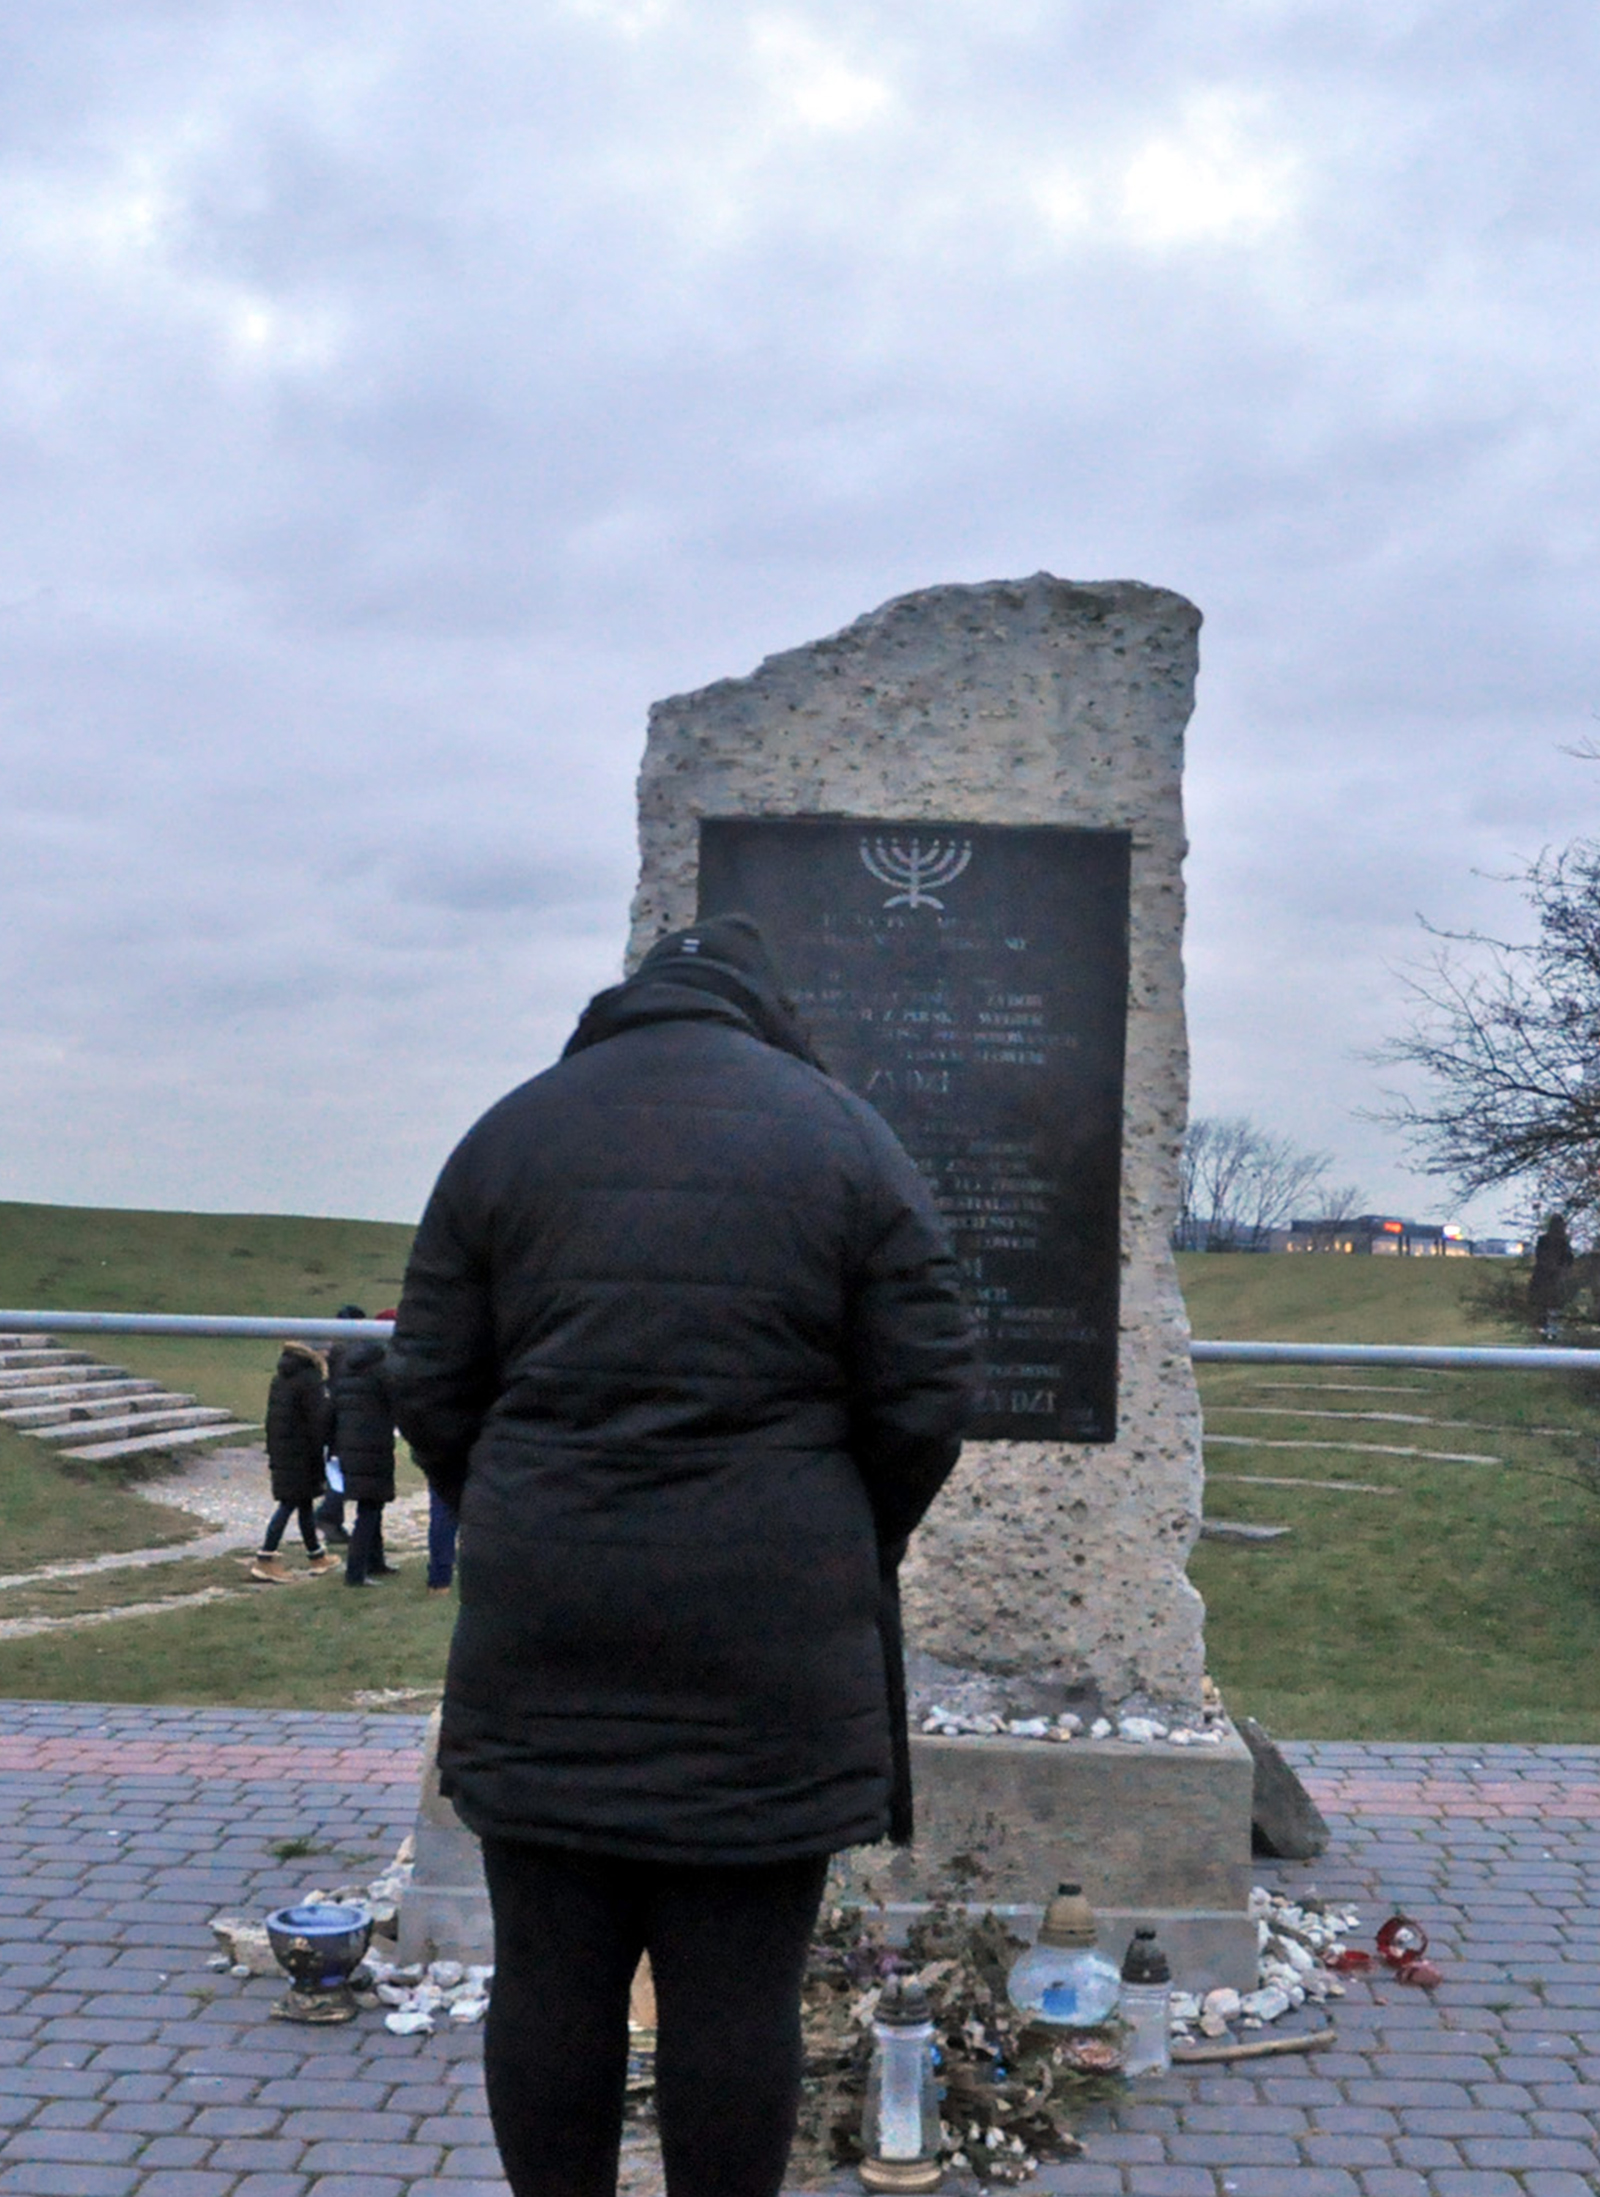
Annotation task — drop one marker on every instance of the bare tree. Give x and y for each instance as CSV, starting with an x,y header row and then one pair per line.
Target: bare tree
x,y
1508,1036
1240,1181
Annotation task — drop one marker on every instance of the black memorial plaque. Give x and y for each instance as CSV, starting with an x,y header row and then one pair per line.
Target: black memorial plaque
x,y
971,981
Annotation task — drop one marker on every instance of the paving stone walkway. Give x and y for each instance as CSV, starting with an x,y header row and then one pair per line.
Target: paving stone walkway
x,y
129,2069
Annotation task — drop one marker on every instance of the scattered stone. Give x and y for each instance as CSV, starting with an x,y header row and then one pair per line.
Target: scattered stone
x,y
244,1945
1294,1939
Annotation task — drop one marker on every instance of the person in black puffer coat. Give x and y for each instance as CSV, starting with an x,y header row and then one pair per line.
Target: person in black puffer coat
x,y
297,1433
362,1438
681,1336
330,1511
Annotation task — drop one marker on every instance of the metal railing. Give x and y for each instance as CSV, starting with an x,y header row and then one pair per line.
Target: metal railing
x,y
1440,1357
190,1323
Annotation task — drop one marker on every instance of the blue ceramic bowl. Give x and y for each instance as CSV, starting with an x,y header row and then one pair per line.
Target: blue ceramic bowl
x,y
319,1945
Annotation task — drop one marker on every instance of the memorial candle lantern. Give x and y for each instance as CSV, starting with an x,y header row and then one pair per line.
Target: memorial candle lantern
x,y
1063,1978
900,2118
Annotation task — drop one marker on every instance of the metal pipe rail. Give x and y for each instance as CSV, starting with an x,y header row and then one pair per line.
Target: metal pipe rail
x,y
190,1323
1445,1358
1441,1357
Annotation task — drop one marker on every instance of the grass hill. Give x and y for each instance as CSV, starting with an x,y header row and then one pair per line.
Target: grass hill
x,y
68,1258
1243,1297
1440,1579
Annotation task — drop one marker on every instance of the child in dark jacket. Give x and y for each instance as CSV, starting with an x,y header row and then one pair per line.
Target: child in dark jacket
x,y
297,1433
363,1440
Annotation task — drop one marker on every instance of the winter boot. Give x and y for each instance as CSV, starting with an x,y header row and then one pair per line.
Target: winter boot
x,y
320,1563
269,1565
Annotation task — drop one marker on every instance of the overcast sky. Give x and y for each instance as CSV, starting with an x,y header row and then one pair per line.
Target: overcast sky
x,y
397,398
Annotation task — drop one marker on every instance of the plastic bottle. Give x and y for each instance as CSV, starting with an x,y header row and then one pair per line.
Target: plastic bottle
x,y
1146,2007
1061,1978
900,2114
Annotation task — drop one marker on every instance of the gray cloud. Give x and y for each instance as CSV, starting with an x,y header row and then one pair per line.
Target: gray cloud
x,y
397,399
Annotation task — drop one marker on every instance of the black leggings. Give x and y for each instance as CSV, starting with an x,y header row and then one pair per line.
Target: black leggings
x,y
727,1949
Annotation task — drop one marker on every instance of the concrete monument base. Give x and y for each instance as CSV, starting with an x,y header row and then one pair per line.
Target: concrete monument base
x,y
444,1915
1155,1836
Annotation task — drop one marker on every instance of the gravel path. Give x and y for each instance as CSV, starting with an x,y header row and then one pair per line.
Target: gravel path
x,y
227,1490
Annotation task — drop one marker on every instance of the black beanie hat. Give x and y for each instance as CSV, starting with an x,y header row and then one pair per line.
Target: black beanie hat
x,y
726,941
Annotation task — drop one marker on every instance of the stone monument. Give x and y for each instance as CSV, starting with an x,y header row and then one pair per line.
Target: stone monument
x,y
960,820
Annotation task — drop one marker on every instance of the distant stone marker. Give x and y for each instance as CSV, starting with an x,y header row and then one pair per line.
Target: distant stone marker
x,y
971,980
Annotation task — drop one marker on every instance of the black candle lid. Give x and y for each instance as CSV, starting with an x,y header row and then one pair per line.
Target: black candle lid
x,y
903,2003
1144,1961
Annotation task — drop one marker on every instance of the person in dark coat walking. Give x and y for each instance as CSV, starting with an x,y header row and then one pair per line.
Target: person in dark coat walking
x,y
681,1337
362,1437
330,1511
297,1433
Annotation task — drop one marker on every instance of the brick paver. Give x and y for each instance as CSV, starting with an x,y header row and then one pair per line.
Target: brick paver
x,y
130,2069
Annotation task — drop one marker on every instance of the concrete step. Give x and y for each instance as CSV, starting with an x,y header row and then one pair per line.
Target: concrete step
x,y
179,1415
16,1403
91,1410
59,1369
43,1352
180,1438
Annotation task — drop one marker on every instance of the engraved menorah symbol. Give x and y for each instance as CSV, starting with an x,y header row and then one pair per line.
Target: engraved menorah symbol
x,y
915,868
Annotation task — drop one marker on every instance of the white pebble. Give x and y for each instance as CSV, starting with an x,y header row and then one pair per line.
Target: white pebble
x,y
445,1973
241,1968
1028,1727
1138,1731
1100,1728
469,2010
409,2021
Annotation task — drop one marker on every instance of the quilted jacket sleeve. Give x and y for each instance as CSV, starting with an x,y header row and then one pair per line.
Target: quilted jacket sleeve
x,y
441,1362
912,1364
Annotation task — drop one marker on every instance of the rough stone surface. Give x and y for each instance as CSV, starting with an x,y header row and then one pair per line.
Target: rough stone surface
x,y
444,1913
1284,1819
1029,701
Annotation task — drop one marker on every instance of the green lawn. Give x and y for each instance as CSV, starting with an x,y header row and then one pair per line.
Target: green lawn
x,y
312,1645
63,1258
1463,1606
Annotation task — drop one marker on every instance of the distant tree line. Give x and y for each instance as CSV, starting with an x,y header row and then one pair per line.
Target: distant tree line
x,y
1239,1182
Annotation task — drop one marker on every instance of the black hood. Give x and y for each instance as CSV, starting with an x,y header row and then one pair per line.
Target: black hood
x,y
719,970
